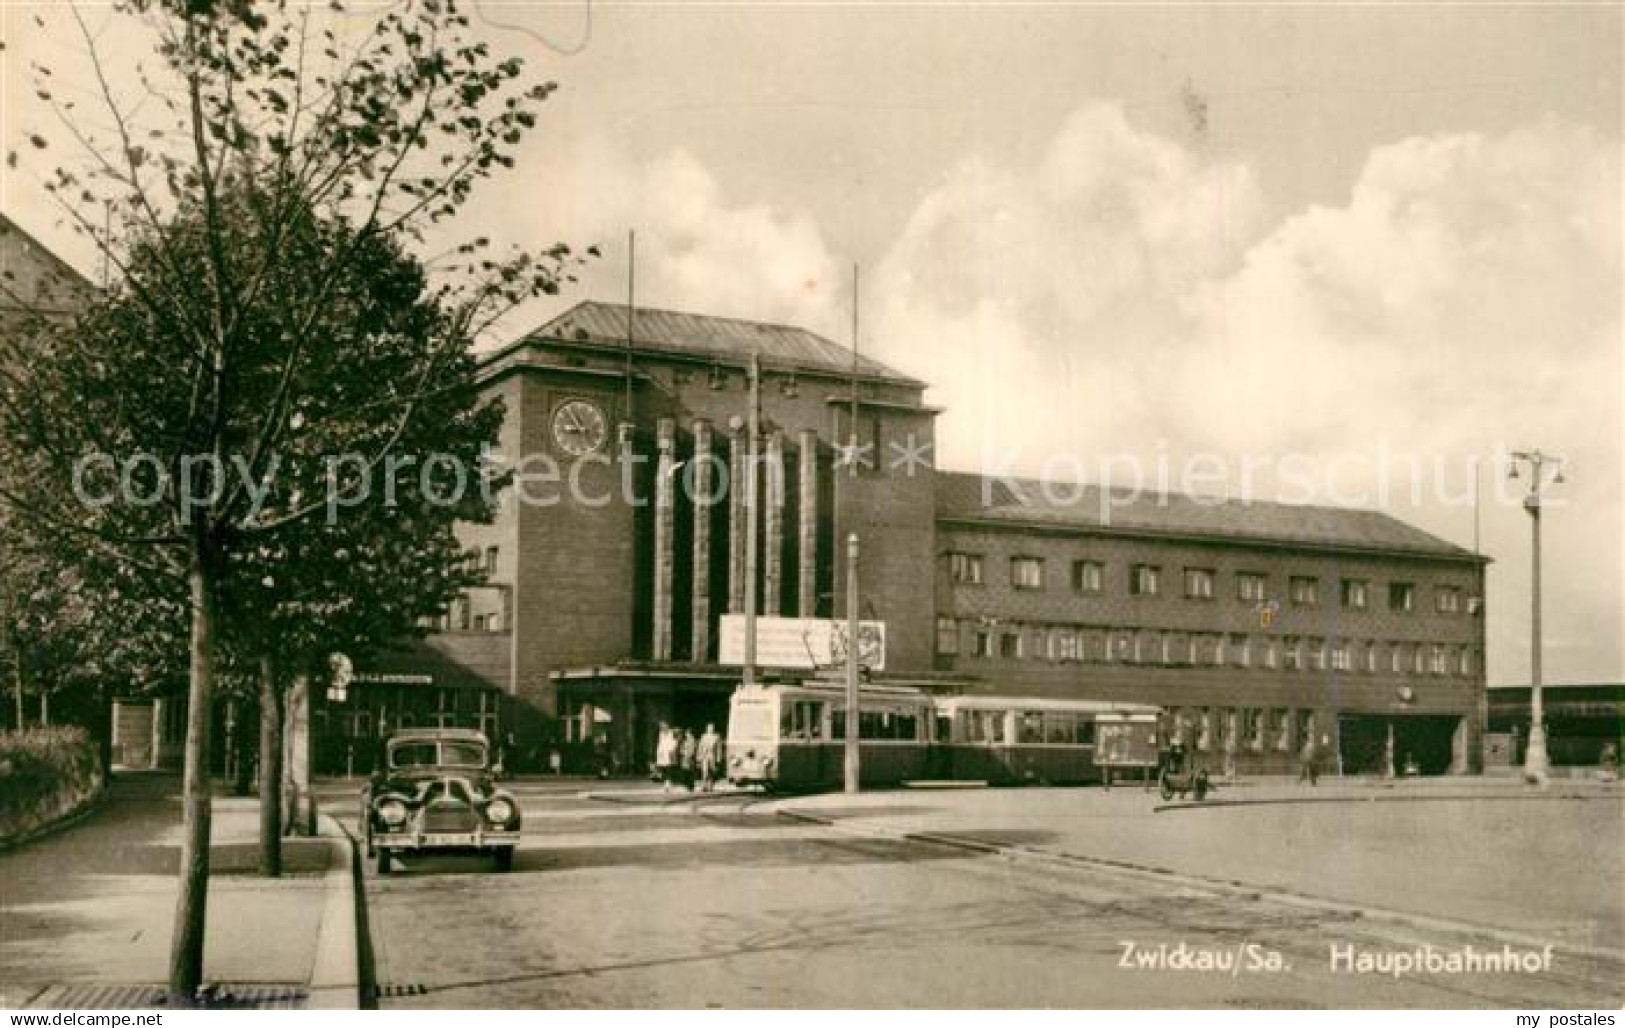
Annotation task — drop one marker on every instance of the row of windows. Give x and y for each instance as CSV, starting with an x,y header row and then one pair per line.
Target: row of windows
x,y
1089,576
1084,644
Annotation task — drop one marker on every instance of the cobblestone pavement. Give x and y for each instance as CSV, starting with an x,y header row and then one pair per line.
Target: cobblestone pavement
x,y
723,903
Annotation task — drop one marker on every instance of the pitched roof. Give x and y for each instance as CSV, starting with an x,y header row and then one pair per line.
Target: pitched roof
x,y
705,335
963,496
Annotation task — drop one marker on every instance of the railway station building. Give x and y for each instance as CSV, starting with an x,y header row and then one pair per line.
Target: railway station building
x,y
620,548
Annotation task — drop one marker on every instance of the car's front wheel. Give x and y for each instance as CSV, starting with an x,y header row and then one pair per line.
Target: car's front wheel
x,y
504,858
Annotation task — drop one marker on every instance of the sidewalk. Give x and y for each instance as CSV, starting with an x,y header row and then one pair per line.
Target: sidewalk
x,y
86,913
1492,853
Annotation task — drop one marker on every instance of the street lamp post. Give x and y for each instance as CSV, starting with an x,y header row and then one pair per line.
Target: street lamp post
x,y
853,775
1536,763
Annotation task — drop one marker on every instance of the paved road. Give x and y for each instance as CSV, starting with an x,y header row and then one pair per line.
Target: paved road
x,y
725,904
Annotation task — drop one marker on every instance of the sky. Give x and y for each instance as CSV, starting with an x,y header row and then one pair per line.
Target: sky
x,y
1362,251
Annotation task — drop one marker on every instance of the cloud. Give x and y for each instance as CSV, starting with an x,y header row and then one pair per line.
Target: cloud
x,y
1121,295
697,248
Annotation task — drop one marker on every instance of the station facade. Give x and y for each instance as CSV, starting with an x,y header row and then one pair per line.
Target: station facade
x,y
620,546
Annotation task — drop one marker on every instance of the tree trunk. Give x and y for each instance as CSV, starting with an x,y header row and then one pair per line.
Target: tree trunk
x,y
191,906
270,771
17,687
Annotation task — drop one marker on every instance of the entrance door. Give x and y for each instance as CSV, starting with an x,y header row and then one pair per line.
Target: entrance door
x,y
1425,739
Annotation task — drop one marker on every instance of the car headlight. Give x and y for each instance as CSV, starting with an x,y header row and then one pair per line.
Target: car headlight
x,y
499,810
392,812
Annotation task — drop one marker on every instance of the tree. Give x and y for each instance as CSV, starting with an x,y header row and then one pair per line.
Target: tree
x,y
213,401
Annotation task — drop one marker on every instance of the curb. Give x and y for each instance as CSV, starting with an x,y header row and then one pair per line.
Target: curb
x,y
335,978
1145,872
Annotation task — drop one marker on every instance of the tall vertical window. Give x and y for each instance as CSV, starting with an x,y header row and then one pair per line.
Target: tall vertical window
x,y
965,568
1441,661
1268,654
1342,659
1447,600
947,636
1088,576
1305,592
1401,596
1027,572
1251,586
1199,583
1010,645
1354,594
1291,654
491,560
1371,656
1144,580
1396,658
983,644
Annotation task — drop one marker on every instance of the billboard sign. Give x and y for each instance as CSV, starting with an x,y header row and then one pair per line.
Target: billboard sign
x,y
802,642
1126,740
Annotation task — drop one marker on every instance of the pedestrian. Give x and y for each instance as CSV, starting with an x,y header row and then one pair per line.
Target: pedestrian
x,y
688,747
710,757
1308,761
1610,763
603,757
666,752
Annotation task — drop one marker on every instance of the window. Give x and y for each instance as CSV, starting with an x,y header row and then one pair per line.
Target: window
x,y
1291,655
1401,596
1010,645
1267,654
1441,661
947,636
1065,644
464,615
965,568
1144,580
803,719
1342,658
1123,645
983,646
1199,583
480,623
984,726
1419,659
1317,654
1251,586
1176,648
1060,728
1466,665
1305,592
491,560
1095,643
1354,594
1396,658
1241,651
1029,727
1027,572
1371,656
1088,576
1447,600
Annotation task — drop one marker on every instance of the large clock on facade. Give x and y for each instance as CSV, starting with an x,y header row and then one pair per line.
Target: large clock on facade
x,y
579,427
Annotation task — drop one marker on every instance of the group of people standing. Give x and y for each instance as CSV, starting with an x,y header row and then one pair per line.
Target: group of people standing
x,y
683,758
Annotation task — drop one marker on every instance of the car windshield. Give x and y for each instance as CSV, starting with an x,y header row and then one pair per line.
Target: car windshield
x,y
438,754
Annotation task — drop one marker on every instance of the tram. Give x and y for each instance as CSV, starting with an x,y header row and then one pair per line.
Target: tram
x,y
794,736
1010,740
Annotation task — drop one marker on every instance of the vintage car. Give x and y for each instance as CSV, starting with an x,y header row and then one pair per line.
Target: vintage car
x,y
437,792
